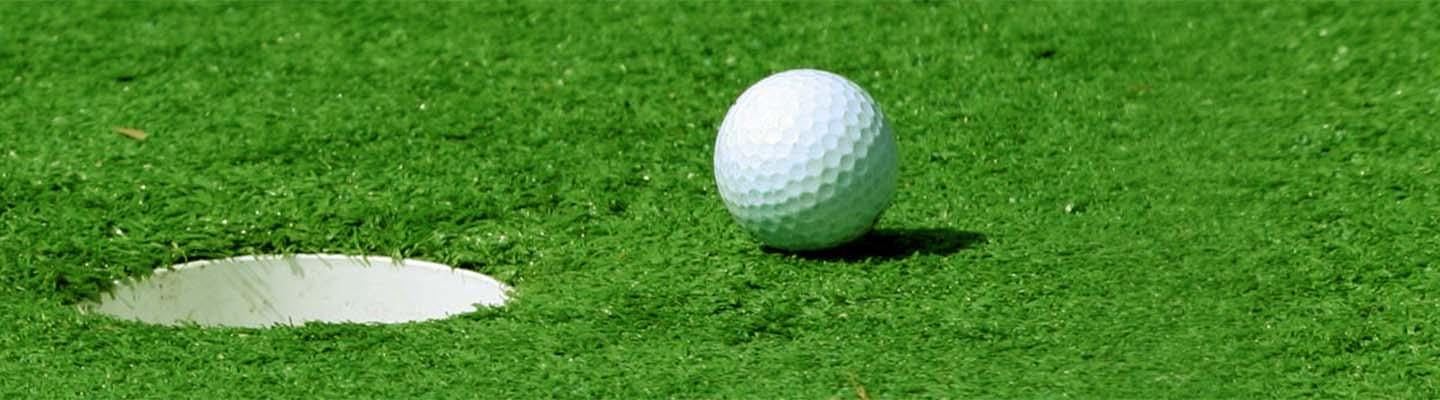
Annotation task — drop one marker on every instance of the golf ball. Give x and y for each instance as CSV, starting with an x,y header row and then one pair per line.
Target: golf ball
x,y
805,160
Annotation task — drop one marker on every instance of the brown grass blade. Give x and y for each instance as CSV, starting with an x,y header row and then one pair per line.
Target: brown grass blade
x,y
132,133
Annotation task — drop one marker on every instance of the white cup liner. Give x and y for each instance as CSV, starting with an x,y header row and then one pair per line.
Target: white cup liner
x,y
264,291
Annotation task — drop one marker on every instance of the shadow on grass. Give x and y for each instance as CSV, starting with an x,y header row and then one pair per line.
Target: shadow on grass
x,y
886,244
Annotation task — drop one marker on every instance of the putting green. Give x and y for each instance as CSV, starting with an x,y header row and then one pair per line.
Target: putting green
x,y
1095,200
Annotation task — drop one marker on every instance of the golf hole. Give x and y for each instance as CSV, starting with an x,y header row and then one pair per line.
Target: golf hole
x,y
264,291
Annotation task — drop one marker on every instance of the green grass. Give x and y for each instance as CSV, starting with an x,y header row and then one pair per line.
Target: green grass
x,y
1098,200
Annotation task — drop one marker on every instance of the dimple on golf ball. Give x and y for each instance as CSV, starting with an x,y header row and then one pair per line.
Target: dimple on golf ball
x,y
805,160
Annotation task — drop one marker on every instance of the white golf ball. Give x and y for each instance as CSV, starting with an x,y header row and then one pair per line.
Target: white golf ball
x,y
805,160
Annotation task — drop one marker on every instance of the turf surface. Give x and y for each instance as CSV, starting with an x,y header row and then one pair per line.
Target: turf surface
x,y
1098,200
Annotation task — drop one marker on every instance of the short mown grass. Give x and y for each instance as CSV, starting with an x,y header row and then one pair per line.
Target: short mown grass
x,y
1098,200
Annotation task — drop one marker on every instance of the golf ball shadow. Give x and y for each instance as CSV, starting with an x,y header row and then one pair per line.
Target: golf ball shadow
x,y
894,243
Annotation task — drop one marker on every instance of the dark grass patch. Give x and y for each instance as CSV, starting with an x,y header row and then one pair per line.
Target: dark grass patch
x,y
890,243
